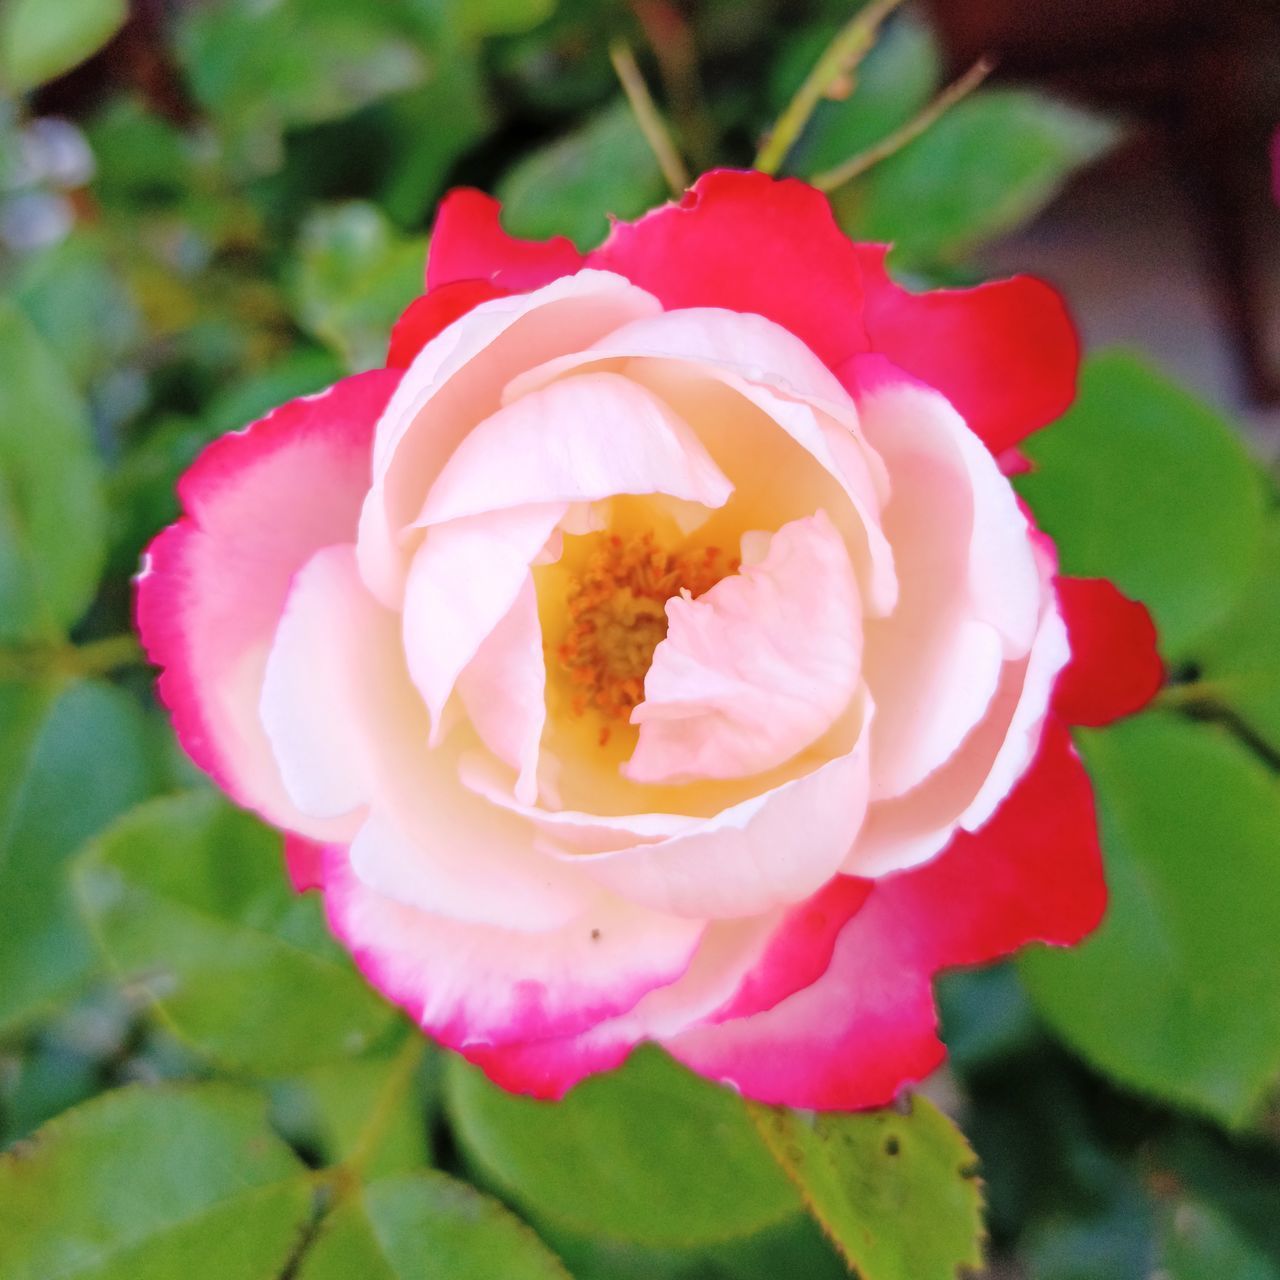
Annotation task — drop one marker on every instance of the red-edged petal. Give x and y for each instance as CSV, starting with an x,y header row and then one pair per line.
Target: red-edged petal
x,y
259,503
1005,353
304,863
426,316
1114,668
746,242
471,985
468,243
867,1027
795,954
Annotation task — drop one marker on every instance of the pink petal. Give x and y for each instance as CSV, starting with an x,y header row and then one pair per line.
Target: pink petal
x,y
741,967
1115,669
304,863
867,1028
748,243
757,668
578,440
213,586
468,243
328,708
1005,353
471,985
456,381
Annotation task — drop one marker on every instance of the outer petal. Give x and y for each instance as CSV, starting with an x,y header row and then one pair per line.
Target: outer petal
x,y
970,592
757,668
468,243
868,1026
428,315
746,242
1114,668
741,967
1005,353
259,503
471,985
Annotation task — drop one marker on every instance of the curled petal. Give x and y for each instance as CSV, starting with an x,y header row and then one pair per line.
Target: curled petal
x,y
585,438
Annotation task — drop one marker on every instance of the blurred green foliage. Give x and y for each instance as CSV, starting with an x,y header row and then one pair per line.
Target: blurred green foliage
x,y
228,208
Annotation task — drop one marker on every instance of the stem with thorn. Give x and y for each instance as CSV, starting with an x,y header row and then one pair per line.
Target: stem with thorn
x,y
851,44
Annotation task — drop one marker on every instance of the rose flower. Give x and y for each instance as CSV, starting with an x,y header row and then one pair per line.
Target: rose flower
x,y
657,650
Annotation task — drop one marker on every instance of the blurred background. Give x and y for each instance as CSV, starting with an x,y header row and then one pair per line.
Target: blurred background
x,y
209,207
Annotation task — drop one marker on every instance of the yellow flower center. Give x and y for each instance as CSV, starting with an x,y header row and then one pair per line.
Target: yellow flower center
x,y
616,607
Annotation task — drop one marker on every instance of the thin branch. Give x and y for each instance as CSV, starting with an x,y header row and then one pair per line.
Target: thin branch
x,y
670,38
852,43
829,179
648,117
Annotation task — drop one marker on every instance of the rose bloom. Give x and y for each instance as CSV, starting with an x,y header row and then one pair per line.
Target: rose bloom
x,y
656,649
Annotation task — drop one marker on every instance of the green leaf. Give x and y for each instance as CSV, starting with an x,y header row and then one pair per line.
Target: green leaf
x,y
40,40
79,305
149,1184
895,80
987,166
72,758
1240,661
426,1224
353,277
52,516
327,1110
1144,484
262,68
897,1193
457,102
189,899
648,1153
1176,994
570,186
498,17
1200,1242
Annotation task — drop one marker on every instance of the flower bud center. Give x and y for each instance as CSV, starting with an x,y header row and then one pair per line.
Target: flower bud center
x,y
616,606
